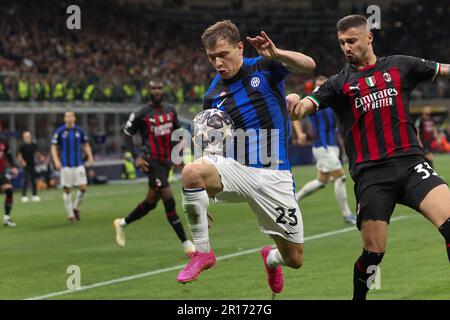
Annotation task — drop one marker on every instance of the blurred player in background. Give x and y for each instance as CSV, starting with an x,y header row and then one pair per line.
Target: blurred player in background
x,y
426,133
370,96
251,92
7,162
68,143
155,122
26,157
326,151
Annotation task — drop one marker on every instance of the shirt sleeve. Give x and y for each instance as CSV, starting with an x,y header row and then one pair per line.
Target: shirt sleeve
x,y
84,138
55,139
278,71
421,69
324,96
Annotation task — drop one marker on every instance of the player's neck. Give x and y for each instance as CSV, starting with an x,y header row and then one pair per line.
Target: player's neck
x,y
70,125
371,59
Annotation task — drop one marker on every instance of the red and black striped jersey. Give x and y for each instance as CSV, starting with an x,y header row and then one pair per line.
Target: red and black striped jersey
x,y
155,126
5,156
426,129
372,105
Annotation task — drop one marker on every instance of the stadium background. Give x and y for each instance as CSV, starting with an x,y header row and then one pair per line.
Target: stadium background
x,y
101,73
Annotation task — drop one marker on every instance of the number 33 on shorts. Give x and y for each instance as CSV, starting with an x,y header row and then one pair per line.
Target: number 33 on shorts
x,y
425,170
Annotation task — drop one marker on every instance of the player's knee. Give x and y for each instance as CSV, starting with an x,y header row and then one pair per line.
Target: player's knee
x,y
9,192
192,176
374,244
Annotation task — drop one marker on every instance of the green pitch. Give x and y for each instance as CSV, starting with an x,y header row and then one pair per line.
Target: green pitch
x,y
34,256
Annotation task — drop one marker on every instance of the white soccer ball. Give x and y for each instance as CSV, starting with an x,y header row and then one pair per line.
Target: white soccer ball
x,y
212,130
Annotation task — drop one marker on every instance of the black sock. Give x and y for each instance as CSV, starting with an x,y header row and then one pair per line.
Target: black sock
x,y
8,201
444,229
174,219
361,274
141,210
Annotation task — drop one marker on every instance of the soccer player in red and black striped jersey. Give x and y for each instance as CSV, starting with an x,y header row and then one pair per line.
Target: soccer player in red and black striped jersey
x,y
426,133
6,160
370,96
155,123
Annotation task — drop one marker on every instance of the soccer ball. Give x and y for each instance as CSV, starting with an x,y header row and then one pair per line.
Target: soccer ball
x,y
212,131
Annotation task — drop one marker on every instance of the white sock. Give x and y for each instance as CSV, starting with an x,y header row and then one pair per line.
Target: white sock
x,y
341,195
309,188
123,223
195,204
274,259
68,203
79,198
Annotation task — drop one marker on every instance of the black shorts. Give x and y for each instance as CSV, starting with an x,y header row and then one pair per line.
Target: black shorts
x,y
4,179
405,180
158,174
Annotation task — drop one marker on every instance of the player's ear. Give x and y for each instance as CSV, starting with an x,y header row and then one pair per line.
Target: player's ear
x,y
241,47
370,37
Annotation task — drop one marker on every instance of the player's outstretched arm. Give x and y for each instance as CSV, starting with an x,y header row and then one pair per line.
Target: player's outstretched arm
x,y
295,60
444,71
298,109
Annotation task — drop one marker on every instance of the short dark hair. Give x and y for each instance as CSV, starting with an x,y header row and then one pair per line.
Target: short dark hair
x,y
351,21
155,81
222,30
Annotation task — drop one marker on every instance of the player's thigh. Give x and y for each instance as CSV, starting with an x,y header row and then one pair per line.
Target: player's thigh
x,y
327,159
231,181
375,201
80,177
337,173
158,175
374,234
203,173
323,176
277,211
67,177
427,193
436,205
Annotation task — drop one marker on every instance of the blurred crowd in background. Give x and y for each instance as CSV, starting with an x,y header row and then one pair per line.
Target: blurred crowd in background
x,y
122,45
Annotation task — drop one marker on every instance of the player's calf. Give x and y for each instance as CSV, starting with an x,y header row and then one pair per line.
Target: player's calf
x,y
444,229
140,211
364,267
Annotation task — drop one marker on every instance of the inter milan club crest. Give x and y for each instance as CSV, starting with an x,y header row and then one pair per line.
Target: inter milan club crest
x,y
387,77
255,82
370,81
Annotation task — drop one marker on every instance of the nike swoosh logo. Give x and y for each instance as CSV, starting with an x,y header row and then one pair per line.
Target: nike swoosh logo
x,y
221,102
289,233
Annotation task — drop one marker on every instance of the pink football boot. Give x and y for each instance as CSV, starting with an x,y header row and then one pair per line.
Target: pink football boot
x,y
199,262
274,276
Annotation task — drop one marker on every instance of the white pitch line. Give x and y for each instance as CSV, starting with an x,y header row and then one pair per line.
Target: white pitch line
x,y
159,271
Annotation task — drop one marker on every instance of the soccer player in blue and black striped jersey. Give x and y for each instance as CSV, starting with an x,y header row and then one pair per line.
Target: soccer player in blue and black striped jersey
x,y
326,151
251,91
68,143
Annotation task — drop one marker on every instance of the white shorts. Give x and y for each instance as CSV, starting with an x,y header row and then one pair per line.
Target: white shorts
x,y
327,158
73,176
270,194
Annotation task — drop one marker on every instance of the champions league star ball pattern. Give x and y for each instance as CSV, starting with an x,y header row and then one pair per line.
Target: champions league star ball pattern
x,y
211,130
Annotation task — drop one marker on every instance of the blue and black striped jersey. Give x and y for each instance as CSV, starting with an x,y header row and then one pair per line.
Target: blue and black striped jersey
x,y
255,99
325,129
69,142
